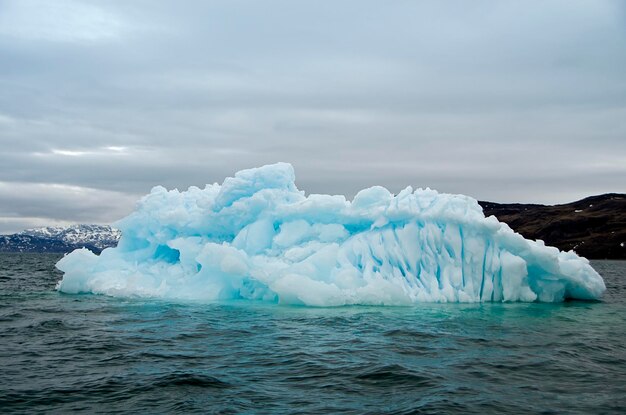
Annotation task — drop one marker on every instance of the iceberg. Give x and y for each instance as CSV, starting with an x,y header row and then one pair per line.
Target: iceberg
x,y
257,237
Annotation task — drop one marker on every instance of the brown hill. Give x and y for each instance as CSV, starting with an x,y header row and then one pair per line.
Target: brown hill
x,y
594,227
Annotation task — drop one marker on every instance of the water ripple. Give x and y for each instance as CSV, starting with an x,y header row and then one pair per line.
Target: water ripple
x,y
85,353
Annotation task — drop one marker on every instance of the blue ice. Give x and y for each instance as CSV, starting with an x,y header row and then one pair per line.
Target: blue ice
x,y
258,237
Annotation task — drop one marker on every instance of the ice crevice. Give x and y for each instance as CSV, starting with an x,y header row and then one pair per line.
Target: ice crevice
x,y
257,237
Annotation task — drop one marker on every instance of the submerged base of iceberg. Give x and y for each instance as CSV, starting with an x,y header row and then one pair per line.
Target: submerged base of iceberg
x,y
258,237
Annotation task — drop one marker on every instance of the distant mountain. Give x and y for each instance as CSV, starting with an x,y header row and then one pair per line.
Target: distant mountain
x,y
59,239
594,227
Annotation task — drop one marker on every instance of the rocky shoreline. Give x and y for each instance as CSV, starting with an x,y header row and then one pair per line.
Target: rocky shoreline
x,y
594,227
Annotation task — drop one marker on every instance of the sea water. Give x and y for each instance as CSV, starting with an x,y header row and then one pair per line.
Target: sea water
x,y
91,353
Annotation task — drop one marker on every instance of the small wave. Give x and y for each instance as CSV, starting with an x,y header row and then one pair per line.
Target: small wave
x,y
396,375
411,334
190,379
54,325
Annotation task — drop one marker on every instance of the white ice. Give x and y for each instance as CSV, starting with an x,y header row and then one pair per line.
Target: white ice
x,y
258,237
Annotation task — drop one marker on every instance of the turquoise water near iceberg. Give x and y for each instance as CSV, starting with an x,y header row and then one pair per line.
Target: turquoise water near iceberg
x,y
91,353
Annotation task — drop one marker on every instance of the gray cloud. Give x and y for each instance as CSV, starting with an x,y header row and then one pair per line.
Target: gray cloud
x,y
498,100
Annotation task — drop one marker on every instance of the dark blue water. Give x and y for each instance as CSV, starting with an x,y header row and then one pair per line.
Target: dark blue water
x,y
61,353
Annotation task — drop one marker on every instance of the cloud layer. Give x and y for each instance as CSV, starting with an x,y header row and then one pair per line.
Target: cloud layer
x,y
498,100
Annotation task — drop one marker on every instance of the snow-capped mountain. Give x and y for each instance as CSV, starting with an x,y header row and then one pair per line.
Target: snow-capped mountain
x,y
100,236
61,239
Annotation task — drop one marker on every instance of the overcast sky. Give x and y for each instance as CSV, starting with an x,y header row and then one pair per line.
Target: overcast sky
x,y
503,101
